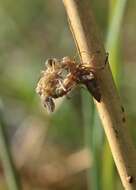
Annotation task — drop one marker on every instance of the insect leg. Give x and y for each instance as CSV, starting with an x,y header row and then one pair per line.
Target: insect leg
x,y
99,67
49,104
61,85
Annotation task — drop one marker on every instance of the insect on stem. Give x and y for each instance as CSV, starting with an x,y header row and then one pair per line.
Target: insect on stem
x,y
62,75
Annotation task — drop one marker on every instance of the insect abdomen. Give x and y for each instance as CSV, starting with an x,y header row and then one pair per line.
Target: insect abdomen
x,y
93,88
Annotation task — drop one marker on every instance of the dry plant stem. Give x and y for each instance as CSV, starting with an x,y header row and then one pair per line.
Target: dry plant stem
x,y
87,39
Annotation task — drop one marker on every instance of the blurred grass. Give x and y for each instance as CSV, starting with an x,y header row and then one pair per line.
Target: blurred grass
x,y
32,31
10,172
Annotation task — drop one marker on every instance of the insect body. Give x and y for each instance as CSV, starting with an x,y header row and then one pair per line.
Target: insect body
x,y
88,78
49,83
61,76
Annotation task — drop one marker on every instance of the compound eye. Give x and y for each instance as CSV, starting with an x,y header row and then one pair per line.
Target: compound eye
x,y
50,62
66,59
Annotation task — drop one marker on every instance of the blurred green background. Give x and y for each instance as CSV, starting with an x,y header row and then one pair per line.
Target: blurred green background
x,y
67,149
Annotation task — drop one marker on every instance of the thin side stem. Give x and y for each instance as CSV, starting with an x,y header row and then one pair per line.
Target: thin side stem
x,y
114,37
115,23
113,41
88,113
10,172
87,39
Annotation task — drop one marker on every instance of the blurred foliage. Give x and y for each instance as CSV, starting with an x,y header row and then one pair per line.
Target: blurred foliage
x,y
31,32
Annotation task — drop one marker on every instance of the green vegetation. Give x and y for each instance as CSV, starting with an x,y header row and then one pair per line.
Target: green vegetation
x,y
31,32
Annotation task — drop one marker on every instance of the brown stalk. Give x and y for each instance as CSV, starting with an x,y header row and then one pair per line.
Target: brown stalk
x,y
91,49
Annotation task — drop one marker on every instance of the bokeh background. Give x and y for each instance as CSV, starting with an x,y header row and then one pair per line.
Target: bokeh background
x,y
67,149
